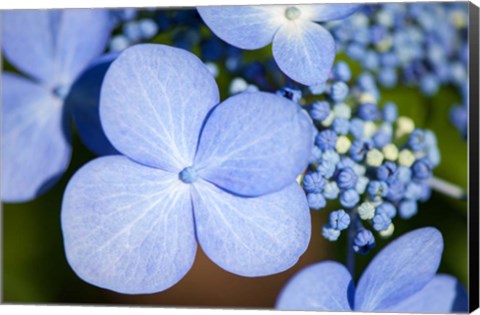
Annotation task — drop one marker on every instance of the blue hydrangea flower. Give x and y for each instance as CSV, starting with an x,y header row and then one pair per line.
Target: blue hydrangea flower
x,y
52,48
368,157
190,171
400,278
303,49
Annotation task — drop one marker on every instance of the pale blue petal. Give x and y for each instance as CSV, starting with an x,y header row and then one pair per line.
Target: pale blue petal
x,y
400,270
252,236
327,12
254,143
83,102
35,148
325,286
246,27
127,227
54,46
444,294
154,101
304,51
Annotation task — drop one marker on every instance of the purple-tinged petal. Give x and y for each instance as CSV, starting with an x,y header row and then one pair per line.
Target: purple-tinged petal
x,y
246,27
254,143
304,51
325,286
252,236
153,104
83,102
444,294
35,147
127,227
54,46
400,270
327,12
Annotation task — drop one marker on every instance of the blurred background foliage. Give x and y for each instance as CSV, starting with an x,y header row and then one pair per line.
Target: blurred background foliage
x,y
35,269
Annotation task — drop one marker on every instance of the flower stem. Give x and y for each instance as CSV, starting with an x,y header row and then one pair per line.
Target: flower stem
x,y
352,229
447,188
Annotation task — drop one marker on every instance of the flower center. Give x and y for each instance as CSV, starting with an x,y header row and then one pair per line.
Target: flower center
x,y
188,175
292,13
61,91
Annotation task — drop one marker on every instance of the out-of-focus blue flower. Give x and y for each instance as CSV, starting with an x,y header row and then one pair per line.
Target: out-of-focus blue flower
x,y
232,189
401,279
52,48
290,28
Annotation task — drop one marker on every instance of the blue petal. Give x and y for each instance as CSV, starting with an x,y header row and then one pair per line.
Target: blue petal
x,y
325,286
246,27
444,294
127,227
252,236
400,270
154,102
327,12
83,102
54,46
35,148
304,51
254,143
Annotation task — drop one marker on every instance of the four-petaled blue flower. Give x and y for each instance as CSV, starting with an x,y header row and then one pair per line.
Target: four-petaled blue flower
x,y
303,49
191,171
52,48
401,278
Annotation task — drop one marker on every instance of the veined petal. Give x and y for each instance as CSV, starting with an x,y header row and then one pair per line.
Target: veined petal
x,y
153,104
327,12
127,227
400,270
54,46
83,102
254,143
252,236
304,51
325,286
35,147
444,294
246,27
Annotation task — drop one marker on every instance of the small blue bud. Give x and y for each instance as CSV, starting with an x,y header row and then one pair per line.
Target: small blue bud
x,y
381,221
349,198
359,150
326,168
148,28
381,139
387,208
347,179
377,188
407,209
320,110
364,241
390,112
331,191
345,162
341,125
316,154
387,171
290,93
330,233
341,72
331,156
396,190
339,220
387,77
313,183
425,192
404,174
356,128
413,191
422,169
338,91
326,139
368,112
316,201
416,140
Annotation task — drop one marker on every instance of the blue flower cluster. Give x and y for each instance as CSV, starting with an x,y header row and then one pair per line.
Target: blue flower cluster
x,y
374,161
416,43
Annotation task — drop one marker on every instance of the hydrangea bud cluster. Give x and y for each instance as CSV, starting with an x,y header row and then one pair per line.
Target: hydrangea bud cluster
x,y
415,43
376,162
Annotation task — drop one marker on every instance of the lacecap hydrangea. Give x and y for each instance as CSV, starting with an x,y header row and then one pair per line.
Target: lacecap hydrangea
x,y
376,162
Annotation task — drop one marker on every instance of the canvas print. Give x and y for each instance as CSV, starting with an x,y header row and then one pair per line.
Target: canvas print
x,y
289,157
